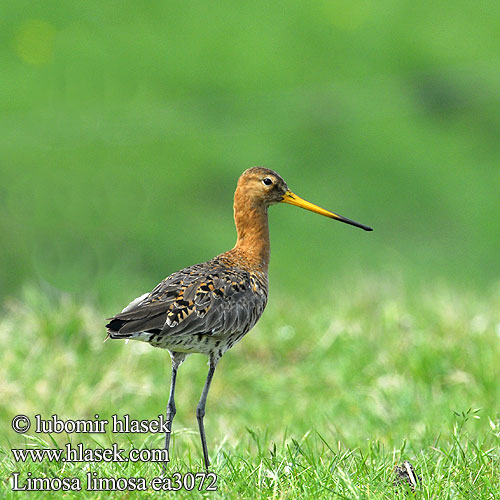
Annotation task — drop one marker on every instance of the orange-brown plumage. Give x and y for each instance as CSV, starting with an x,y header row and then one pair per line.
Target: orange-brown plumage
x,y
251,201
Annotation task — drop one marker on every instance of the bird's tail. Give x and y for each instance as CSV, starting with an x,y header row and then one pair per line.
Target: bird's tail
x,y
114,327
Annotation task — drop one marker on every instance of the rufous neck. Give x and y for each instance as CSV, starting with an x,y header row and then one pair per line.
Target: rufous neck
x,y
253,231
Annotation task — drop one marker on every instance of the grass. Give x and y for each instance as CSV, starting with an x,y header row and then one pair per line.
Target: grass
x,y
316,402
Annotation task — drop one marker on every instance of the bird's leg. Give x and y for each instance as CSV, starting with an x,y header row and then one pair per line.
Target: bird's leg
x,y
171,411
177,359
200,409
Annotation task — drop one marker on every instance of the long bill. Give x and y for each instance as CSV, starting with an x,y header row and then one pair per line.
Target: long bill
x,y
293,199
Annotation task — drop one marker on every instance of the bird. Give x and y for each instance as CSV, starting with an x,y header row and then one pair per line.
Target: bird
x,y
207,308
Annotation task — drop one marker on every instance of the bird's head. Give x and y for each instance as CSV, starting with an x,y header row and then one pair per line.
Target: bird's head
x,y
261,186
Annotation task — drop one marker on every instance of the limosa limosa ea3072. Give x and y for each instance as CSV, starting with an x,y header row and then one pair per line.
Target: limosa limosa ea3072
x,y
209,307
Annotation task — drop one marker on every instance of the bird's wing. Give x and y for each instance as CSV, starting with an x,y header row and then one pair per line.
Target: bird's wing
x,y
203,299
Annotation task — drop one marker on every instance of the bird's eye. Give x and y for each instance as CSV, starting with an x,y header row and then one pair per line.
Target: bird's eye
x,y
267,181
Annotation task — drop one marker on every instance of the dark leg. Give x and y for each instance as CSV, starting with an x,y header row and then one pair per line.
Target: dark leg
x,y
200,409
177,359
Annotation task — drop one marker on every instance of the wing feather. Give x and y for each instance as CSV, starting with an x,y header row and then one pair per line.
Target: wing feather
x,y
205,298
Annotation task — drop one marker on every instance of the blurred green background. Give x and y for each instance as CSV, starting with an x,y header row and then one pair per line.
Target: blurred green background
x,y
125,125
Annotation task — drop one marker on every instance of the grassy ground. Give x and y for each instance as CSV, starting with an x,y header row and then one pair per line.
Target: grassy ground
x,y
316,402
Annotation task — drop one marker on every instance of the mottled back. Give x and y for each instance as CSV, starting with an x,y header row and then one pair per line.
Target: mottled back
x,y
201,308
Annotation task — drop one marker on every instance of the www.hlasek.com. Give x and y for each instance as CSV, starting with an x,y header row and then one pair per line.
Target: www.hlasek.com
x,y
92,481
